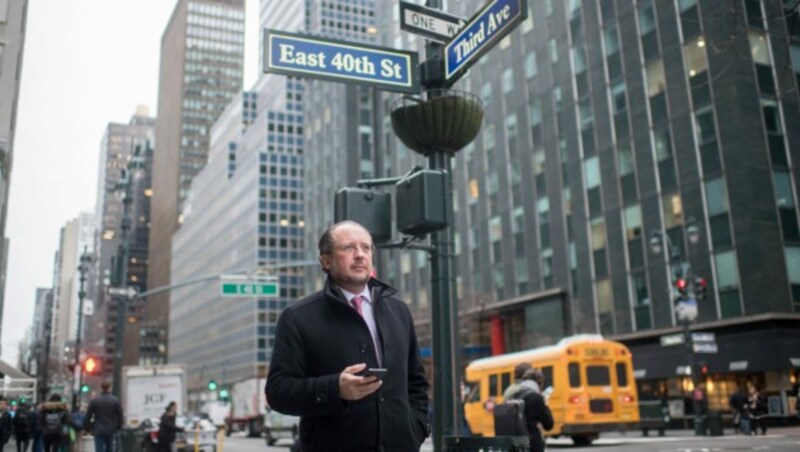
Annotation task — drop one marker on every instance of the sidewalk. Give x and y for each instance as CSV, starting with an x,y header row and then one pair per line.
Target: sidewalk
x,y
793,431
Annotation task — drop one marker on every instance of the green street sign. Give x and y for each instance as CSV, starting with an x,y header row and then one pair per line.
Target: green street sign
x,y
248,289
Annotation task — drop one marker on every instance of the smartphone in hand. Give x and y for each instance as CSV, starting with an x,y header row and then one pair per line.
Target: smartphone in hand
x,y
377,372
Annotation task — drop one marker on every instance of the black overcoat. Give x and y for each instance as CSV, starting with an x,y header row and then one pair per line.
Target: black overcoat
x,y
320,335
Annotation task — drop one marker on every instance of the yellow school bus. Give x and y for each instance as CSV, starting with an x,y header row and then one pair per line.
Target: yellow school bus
x,y
589,387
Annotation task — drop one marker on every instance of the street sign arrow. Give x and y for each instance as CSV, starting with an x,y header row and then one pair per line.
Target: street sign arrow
x,y
485,29
340,61
127,291
428,22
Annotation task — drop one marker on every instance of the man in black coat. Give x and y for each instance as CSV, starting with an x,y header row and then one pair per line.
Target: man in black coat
x,y
104,419
324,341
537,413
6,425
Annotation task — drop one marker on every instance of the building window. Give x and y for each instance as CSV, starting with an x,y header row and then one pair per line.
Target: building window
x,y
553,47
673,210
633,222
694,53
486,94
508,80
647,17
759,48
716,199
772,117
663,144
704,120
656,80
605,304
587,118
578,59
792,255
592,172
598,234
727,270
625,161
618,97
531,67
686,4
535,111
611,39
795,52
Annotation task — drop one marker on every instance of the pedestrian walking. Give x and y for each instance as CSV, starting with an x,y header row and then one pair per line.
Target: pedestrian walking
x,y
757,404
55,422
519,373
6,425
36,428
738,402
22,427
167,428
325,343
538,416
104,418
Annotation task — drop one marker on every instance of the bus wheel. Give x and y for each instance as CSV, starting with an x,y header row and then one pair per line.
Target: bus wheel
x,y
583,440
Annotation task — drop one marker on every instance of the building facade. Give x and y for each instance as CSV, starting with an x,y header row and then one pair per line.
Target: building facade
x,y
13,17
202,52
611,127
245,213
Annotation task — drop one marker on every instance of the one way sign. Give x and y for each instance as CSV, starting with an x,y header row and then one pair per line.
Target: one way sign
x,y
429,22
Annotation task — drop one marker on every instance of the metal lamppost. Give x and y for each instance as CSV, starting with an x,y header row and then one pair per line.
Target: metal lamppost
x,y
82,269
124,189
681,276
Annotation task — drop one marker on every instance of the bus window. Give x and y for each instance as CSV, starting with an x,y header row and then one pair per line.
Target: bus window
x,y
574,375
622,375
597,376
547,371
473,392
505,381
493,386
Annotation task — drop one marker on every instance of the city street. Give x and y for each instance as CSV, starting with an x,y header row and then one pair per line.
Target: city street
x,y
777,439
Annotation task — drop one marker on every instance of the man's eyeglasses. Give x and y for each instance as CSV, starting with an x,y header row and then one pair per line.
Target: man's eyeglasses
x,y
351,248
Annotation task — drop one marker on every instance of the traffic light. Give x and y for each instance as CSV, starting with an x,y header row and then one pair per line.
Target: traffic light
x,y
703,369
91,365
682,287
212,385
223,394
85,388
700,285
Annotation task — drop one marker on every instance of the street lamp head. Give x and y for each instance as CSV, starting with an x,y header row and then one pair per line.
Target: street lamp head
x,y
656,243
693,233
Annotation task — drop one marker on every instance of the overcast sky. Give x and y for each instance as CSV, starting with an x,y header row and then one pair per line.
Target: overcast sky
x,y
86,63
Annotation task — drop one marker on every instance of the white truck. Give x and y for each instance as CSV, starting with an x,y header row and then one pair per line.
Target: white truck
x,y
146,391
248,407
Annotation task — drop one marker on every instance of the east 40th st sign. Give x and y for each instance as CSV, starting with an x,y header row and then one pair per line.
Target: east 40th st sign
x,y
328,59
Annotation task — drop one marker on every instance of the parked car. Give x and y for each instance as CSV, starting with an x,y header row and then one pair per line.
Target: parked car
x,y
278,426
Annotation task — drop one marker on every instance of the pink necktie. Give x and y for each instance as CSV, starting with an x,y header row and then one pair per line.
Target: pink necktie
x,y
356,302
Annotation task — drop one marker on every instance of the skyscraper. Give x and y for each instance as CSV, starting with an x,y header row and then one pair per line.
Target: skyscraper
x,y
13,16
119,143
201,71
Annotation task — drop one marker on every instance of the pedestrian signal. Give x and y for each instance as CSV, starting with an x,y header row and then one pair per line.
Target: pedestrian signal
x,y
85,388
223,394
212,385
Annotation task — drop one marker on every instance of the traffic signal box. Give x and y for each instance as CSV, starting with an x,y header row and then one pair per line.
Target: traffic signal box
x,y
700,285
421,203
369,208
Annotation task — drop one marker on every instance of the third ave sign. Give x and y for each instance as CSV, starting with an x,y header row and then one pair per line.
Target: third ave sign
x,y
485,29
340,61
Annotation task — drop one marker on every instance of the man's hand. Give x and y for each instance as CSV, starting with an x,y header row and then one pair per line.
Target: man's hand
x,y
353,387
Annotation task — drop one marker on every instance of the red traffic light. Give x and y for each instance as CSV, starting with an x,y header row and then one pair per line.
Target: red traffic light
x,y
680,283
91,366
701,283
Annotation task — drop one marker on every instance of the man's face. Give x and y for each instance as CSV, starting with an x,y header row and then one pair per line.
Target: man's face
x,y
2,405
350,261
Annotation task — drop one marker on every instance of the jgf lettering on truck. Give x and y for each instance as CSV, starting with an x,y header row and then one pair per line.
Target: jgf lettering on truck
x,y
307,56
485,29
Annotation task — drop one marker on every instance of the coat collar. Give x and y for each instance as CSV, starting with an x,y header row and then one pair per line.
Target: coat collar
x,y
377,288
